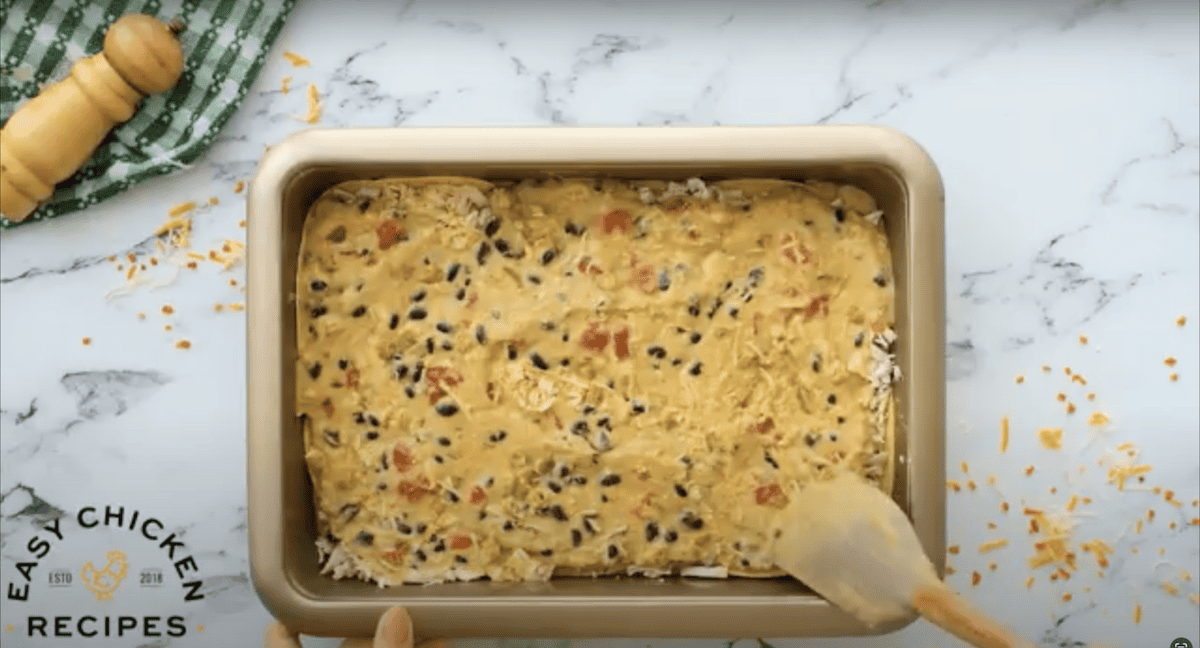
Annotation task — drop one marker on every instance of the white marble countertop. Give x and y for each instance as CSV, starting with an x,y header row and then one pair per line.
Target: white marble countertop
x,y
1067,137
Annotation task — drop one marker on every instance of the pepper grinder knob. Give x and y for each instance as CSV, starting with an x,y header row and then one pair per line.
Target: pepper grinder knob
x,y
50,137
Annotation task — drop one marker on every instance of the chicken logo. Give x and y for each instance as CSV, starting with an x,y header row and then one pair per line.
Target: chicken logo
x,y
105,581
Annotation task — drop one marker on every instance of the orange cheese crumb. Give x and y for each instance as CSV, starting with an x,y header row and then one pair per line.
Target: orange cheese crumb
x,y
1004,506
1181,321
1070,408
954,485
950,571
192,265
237,306
218,307
1079,379
233,282
993,545
963,465
180,209
168,327
1137,527
1067,370
1169,496
1097,419
167,309
183,344
1072,502
971,484
1174,377
991,566
314,105
1091,397
1053,490
1029,582
1137,613
1029,470
295,59
991,480
1020,379
283,84
238,186
141,316
1169,588
1150,515
953,549
1066,597
1170,361
992,526
1196,521
242,223
975,578
87,341
1083,339
213,200
1051,438
1046,368
1004,434
1061,397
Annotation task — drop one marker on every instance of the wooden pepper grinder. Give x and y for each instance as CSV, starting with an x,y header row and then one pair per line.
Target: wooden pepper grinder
x,y
49,138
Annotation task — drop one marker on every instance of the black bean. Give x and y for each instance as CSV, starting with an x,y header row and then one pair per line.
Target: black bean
x,y
771,460
548,326
610,479
443,441
589,523
756,276
578,480
547,552
318,285
858,339
671,535
417,313
394,321
636,406
447,345
482,253
664,281
447,409
613,551
745,562
839,214
364,537
444,327
733,311
450,495
841,419
832,399
401,371
372,435
460,294
534,279
314,371
579,427
349,511
482,514
588,409
811,439
359,418
452,271
418,295
554,486
491,228
418,369
651,531
604,422
337,234
440,546
557,512
694,337
439,459
548,255
428,345
538,361
565,362
343,364
420,555
573,229
716,307
409,391
318,310
694,307
657,351
576,537
680,490
691,521
695,368
460,559
332,438
359,312
880,280
833,437
508,525
403,528
480,334
497,436
421,527
502,246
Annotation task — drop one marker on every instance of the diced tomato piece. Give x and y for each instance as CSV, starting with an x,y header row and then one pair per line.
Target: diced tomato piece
x,y
478,494
352,378
413,491
460,541
402,458
770,494
621,342
595,337
818,306
390,233
327,405
763,426
616,219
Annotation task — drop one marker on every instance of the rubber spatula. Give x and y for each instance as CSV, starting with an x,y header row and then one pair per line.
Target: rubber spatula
x,y
851,544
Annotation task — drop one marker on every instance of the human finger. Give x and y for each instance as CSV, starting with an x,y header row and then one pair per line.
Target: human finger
x,y
280,637
394,629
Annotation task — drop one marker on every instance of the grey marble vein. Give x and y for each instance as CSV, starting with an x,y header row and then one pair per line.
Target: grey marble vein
x,y
112,392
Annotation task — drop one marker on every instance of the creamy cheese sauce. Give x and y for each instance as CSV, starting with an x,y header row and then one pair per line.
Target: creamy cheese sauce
x,y
579,376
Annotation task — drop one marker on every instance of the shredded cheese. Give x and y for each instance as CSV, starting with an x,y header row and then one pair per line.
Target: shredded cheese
x,y
1097,419
314,105
1004,434
1051,438
295,59
283,84
993,545
1181,321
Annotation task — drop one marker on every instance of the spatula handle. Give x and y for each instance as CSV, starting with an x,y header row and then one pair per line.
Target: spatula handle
x,y
955,615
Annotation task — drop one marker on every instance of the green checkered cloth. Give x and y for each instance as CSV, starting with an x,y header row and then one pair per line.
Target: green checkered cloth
x,y
224,45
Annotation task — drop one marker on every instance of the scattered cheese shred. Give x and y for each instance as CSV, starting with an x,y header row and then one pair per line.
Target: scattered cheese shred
x,y
1091,397
283,84
1118,474
1004,434
1169,496
975,578
314,105
1045,368
993,545
1051,438
1101,550
1079,379
1137,613
1029,582
183,344
1181,321
213,200
1097,419
1072,503
295,59
1174,377
954,485
1029,470
1169,588
1083,339
181,209
237,306
1020,379
1070,408
1061,397
953,549
87,341
238,186
1170,361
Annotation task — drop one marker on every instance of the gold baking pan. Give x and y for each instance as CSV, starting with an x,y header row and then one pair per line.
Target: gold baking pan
x,y
282,526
